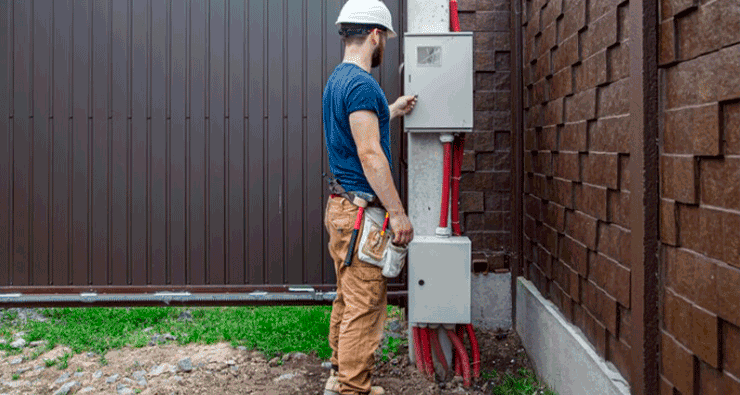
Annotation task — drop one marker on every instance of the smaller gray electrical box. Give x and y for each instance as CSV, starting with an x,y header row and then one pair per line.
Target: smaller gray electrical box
x,y
439,280
439,68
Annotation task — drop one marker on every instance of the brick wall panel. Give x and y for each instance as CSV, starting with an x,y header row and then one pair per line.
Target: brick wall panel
x,y
610,134
600,34
581,106
625,324
575,255
548,40
611,98
567,53
728,293
681,126
597,8
591,72
731,128
562,192
693,276
709,28
574,137
666,388
730,344
710,380
710,226
494,5
668,8
582,228
574,17
710,78
548,139
601,169
731,238
615,242
567,165
705,336
621,354
539,93
591,199
720,182
562,83
624,172
552,11
667,42
553,113
497,220
677,363
668,222
554,216
678,178
677,316
619,208
618,63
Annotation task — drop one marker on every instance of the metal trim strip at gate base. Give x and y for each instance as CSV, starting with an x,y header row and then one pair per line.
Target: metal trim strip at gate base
x,y
298,296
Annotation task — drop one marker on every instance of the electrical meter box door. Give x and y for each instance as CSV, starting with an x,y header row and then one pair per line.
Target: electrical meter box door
x,y
439,68
439,280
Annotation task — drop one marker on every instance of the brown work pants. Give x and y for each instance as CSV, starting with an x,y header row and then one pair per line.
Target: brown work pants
x,y
359,311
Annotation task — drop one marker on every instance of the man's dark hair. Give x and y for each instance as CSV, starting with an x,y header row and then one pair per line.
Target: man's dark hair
x,y
355,33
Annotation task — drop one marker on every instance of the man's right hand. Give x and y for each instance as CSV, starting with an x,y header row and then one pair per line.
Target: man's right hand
x,y
402,228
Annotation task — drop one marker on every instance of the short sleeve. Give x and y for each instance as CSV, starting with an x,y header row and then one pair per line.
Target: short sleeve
x,y
362,96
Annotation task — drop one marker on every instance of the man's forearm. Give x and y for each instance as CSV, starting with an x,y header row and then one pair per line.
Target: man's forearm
x,y
392,109
378,174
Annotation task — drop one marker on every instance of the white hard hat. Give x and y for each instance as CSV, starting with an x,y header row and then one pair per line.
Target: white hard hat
x,y
369,12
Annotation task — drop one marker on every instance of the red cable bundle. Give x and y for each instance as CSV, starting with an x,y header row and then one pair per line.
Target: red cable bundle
x,y
417,349
456,170
462,356
445,186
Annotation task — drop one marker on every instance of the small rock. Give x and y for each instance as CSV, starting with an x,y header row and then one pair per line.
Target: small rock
x,y
159,369
274,362
66,388
287,376
3,341
234,368
395,326
19,334
62,378
16,361
299,356
112,379
91,355
177,378
18,343
241,348
185,316
201,364
123,390
231,362
39,367
185,365
148,329
37,343
98,374
394,361
128,380
79,374
86,389
326,365
168,336
139,377
287,357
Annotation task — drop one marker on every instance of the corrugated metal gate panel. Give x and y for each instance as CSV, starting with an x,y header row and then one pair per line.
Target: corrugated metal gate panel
x,y
164,143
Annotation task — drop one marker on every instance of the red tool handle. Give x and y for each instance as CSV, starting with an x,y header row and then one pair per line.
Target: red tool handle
x,y
353,240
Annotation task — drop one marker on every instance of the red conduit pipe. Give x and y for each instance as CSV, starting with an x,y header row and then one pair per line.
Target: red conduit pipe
x,y
428,362
456,170
424,343
460,329
475,350
417,349
438,349
445,186
454,21
463,357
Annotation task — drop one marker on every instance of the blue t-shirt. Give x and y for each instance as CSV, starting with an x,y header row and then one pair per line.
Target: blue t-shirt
x,y
350,89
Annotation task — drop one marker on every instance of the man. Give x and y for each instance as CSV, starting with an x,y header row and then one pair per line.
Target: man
x,y
356,119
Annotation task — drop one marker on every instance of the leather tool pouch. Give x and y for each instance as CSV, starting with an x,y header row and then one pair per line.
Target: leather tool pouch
x,y
379,250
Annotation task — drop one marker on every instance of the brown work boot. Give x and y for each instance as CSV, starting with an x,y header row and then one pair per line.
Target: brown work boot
x,y
332,386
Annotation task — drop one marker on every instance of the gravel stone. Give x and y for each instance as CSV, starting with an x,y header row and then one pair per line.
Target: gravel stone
x,y
18,343
185,365
63,378
112,379
66,388
16,361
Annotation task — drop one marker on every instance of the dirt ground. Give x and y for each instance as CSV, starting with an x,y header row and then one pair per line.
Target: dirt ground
x,y
222,369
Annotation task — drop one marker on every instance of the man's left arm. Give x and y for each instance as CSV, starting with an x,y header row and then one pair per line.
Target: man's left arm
x,y
402,106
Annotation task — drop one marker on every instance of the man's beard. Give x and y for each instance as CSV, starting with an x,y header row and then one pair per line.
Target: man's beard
x,y
378,56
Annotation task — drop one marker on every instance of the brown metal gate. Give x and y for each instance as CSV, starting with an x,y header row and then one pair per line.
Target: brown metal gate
x,y
169,145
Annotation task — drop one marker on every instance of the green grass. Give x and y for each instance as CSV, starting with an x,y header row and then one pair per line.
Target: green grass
x,y
523,383
273,330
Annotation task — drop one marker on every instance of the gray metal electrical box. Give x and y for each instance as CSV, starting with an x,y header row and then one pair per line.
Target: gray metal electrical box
x,y
439,280
439,68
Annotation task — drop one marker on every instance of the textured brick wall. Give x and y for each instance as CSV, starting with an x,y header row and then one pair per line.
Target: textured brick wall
x,y
576,156
485,185
700,196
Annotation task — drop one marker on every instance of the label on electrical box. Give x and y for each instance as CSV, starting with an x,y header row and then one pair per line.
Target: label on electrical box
x,y
427,56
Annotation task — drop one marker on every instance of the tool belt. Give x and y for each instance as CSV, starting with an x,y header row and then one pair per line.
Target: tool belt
x,y
336,189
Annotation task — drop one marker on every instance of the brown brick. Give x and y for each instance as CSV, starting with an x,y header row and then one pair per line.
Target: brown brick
x,y
612,277
574,284
666,388
549,38
494,5
533,207
731,128
677,316
601,34
619,64
530,227
497,201
601,169
528,162
615,242
540,186
610,134
678,364
668,222
467,5
614,99
730,385
728,294
710,380
542,163
731,238
574,17
581,106
471,201
720,182
689,226
710,232
553,112
496,100
561,83
706,79
492,21
620,353
562,192
500,160
582,228
489,240
693,130
678,178
497,220
602,306
574,137
548,138
539,93
492,41
552,11
468,162
705,336
625,324
619,208
473,222
484,141
503,140
730,344
693,276
554,215
591,200
493,81
669,8
533,117
566,54
567,165
711,27
484,60
667,42
467,21
624,173
575,255
532,28
590,73
482,120
598,8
